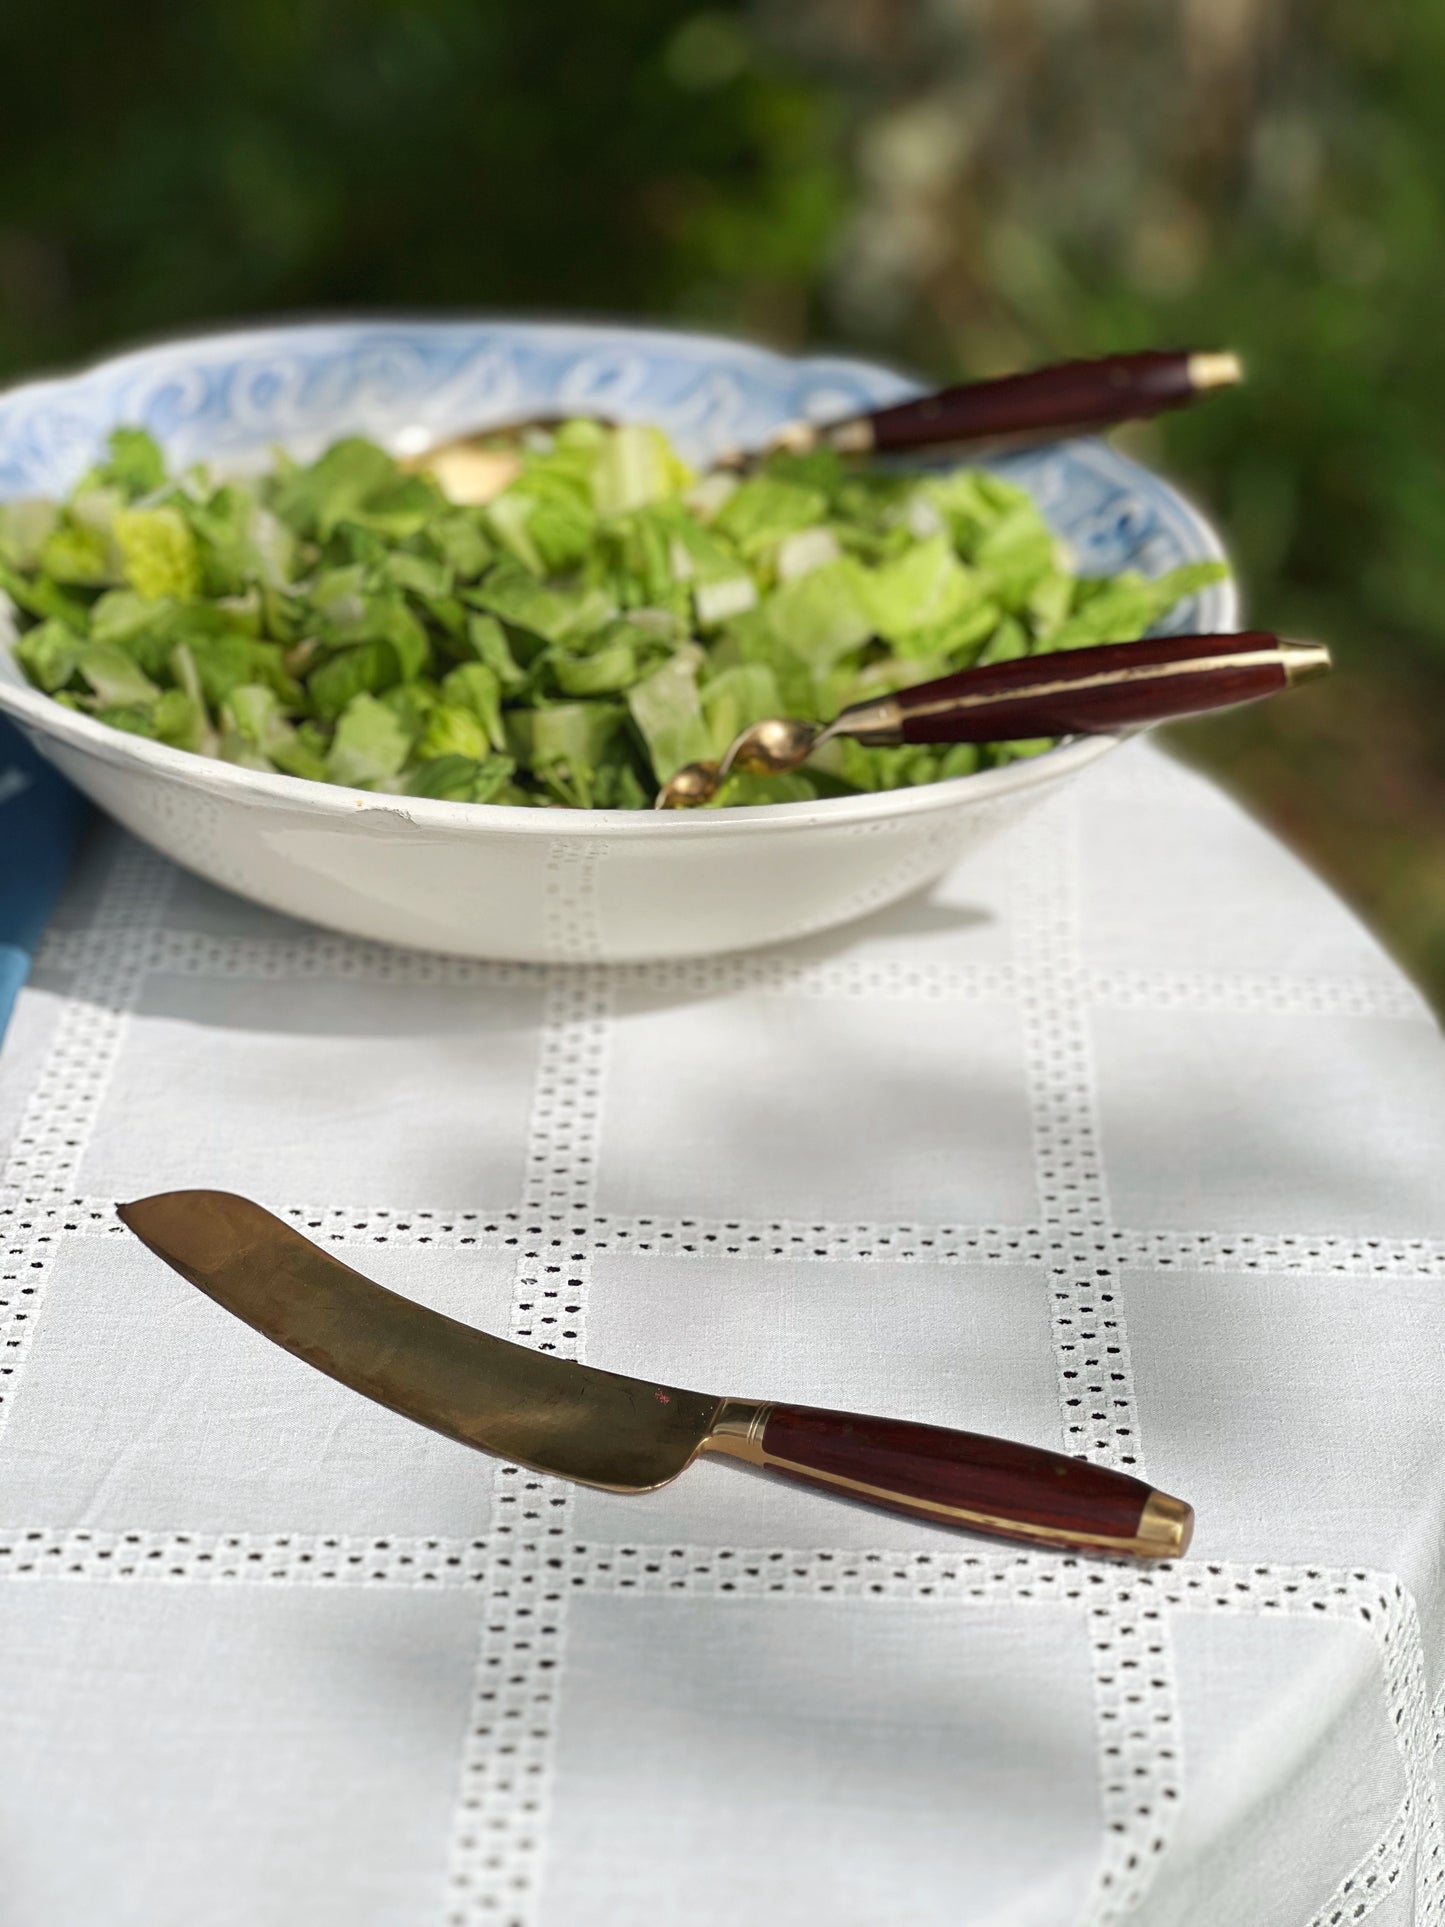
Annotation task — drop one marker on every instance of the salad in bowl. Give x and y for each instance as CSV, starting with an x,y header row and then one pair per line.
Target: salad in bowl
x,y
296,662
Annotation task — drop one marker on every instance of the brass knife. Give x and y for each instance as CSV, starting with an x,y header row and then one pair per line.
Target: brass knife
x,y
625,1434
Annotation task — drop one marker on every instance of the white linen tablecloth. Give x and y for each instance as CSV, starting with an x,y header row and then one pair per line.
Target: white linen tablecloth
x,y
1125,1140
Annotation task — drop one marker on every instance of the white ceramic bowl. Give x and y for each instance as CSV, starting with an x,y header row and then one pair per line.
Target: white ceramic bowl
x,y
551,885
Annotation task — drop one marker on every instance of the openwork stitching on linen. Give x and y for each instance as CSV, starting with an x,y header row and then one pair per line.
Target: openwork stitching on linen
x,y
1287,1251
830,1243
319,954
1380,1603
571,927
526,1578
569,914
1135,1701
56,1124
1254,991
538,1568
791,1240
334,1224
252,1558
536,1535
499,1819
1374,1876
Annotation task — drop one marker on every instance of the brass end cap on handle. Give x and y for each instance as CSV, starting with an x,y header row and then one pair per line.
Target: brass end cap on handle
x,y
1215,370
1303,661
1166,1525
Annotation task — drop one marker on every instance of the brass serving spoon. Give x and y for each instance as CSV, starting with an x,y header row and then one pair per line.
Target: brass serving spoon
x,y
1118,685
1076,397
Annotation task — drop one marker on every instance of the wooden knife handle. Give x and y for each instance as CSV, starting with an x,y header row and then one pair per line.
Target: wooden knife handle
x,y
958,1478
1119,685
1073,395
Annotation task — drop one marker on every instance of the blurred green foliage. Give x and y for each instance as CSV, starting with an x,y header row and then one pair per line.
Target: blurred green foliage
x,y
964,187
956,184
174,164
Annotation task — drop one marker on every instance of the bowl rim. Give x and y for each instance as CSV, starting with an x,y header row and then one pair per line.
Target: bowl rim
x,y
34,709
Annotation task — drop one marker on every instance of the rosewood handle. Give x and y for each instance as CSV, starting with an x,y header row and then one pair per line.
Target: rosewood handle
x,y
1071,395
958,1478
1119,685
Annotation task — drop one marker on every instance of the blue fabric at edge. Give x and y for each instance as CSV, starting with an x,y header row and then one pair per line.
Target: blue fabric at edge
x,y
41,817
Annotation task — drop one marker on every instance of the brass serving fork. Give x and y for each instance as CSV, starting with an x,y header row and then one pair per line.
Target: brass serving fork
x,y
1117,685
1071,397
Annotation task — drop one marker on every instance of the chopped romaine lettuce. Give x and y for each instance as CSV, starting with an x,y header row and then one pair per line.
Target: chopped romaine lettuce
x,y
370,745
667,710
606,617
50,654
158,552
824,615
633,466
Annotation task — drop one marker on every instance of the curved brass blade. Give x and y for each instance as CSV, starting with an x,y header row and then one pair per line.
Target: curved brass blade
x,y
599,1428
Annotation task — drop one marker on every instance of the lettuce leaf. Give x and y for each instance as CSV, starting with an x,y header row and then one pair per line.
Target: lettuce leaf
x,y
926,588
465,779
357,482
369,747
1122,607
134,462
50,653
24,525
113,676
476,688
159,556
762,512
564,745
734,698
824,615
636,465
667,709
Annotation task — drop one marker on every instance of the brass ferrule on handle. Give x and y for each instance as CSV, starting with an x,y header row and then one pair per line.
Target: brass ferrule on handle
x,y
738,1429
851,437
855,437
877,724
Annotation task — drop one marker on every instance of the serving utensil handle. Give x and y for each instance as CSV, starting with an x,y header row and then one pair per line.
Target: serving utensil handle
x,y
957,1478
1118,685
1072,395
